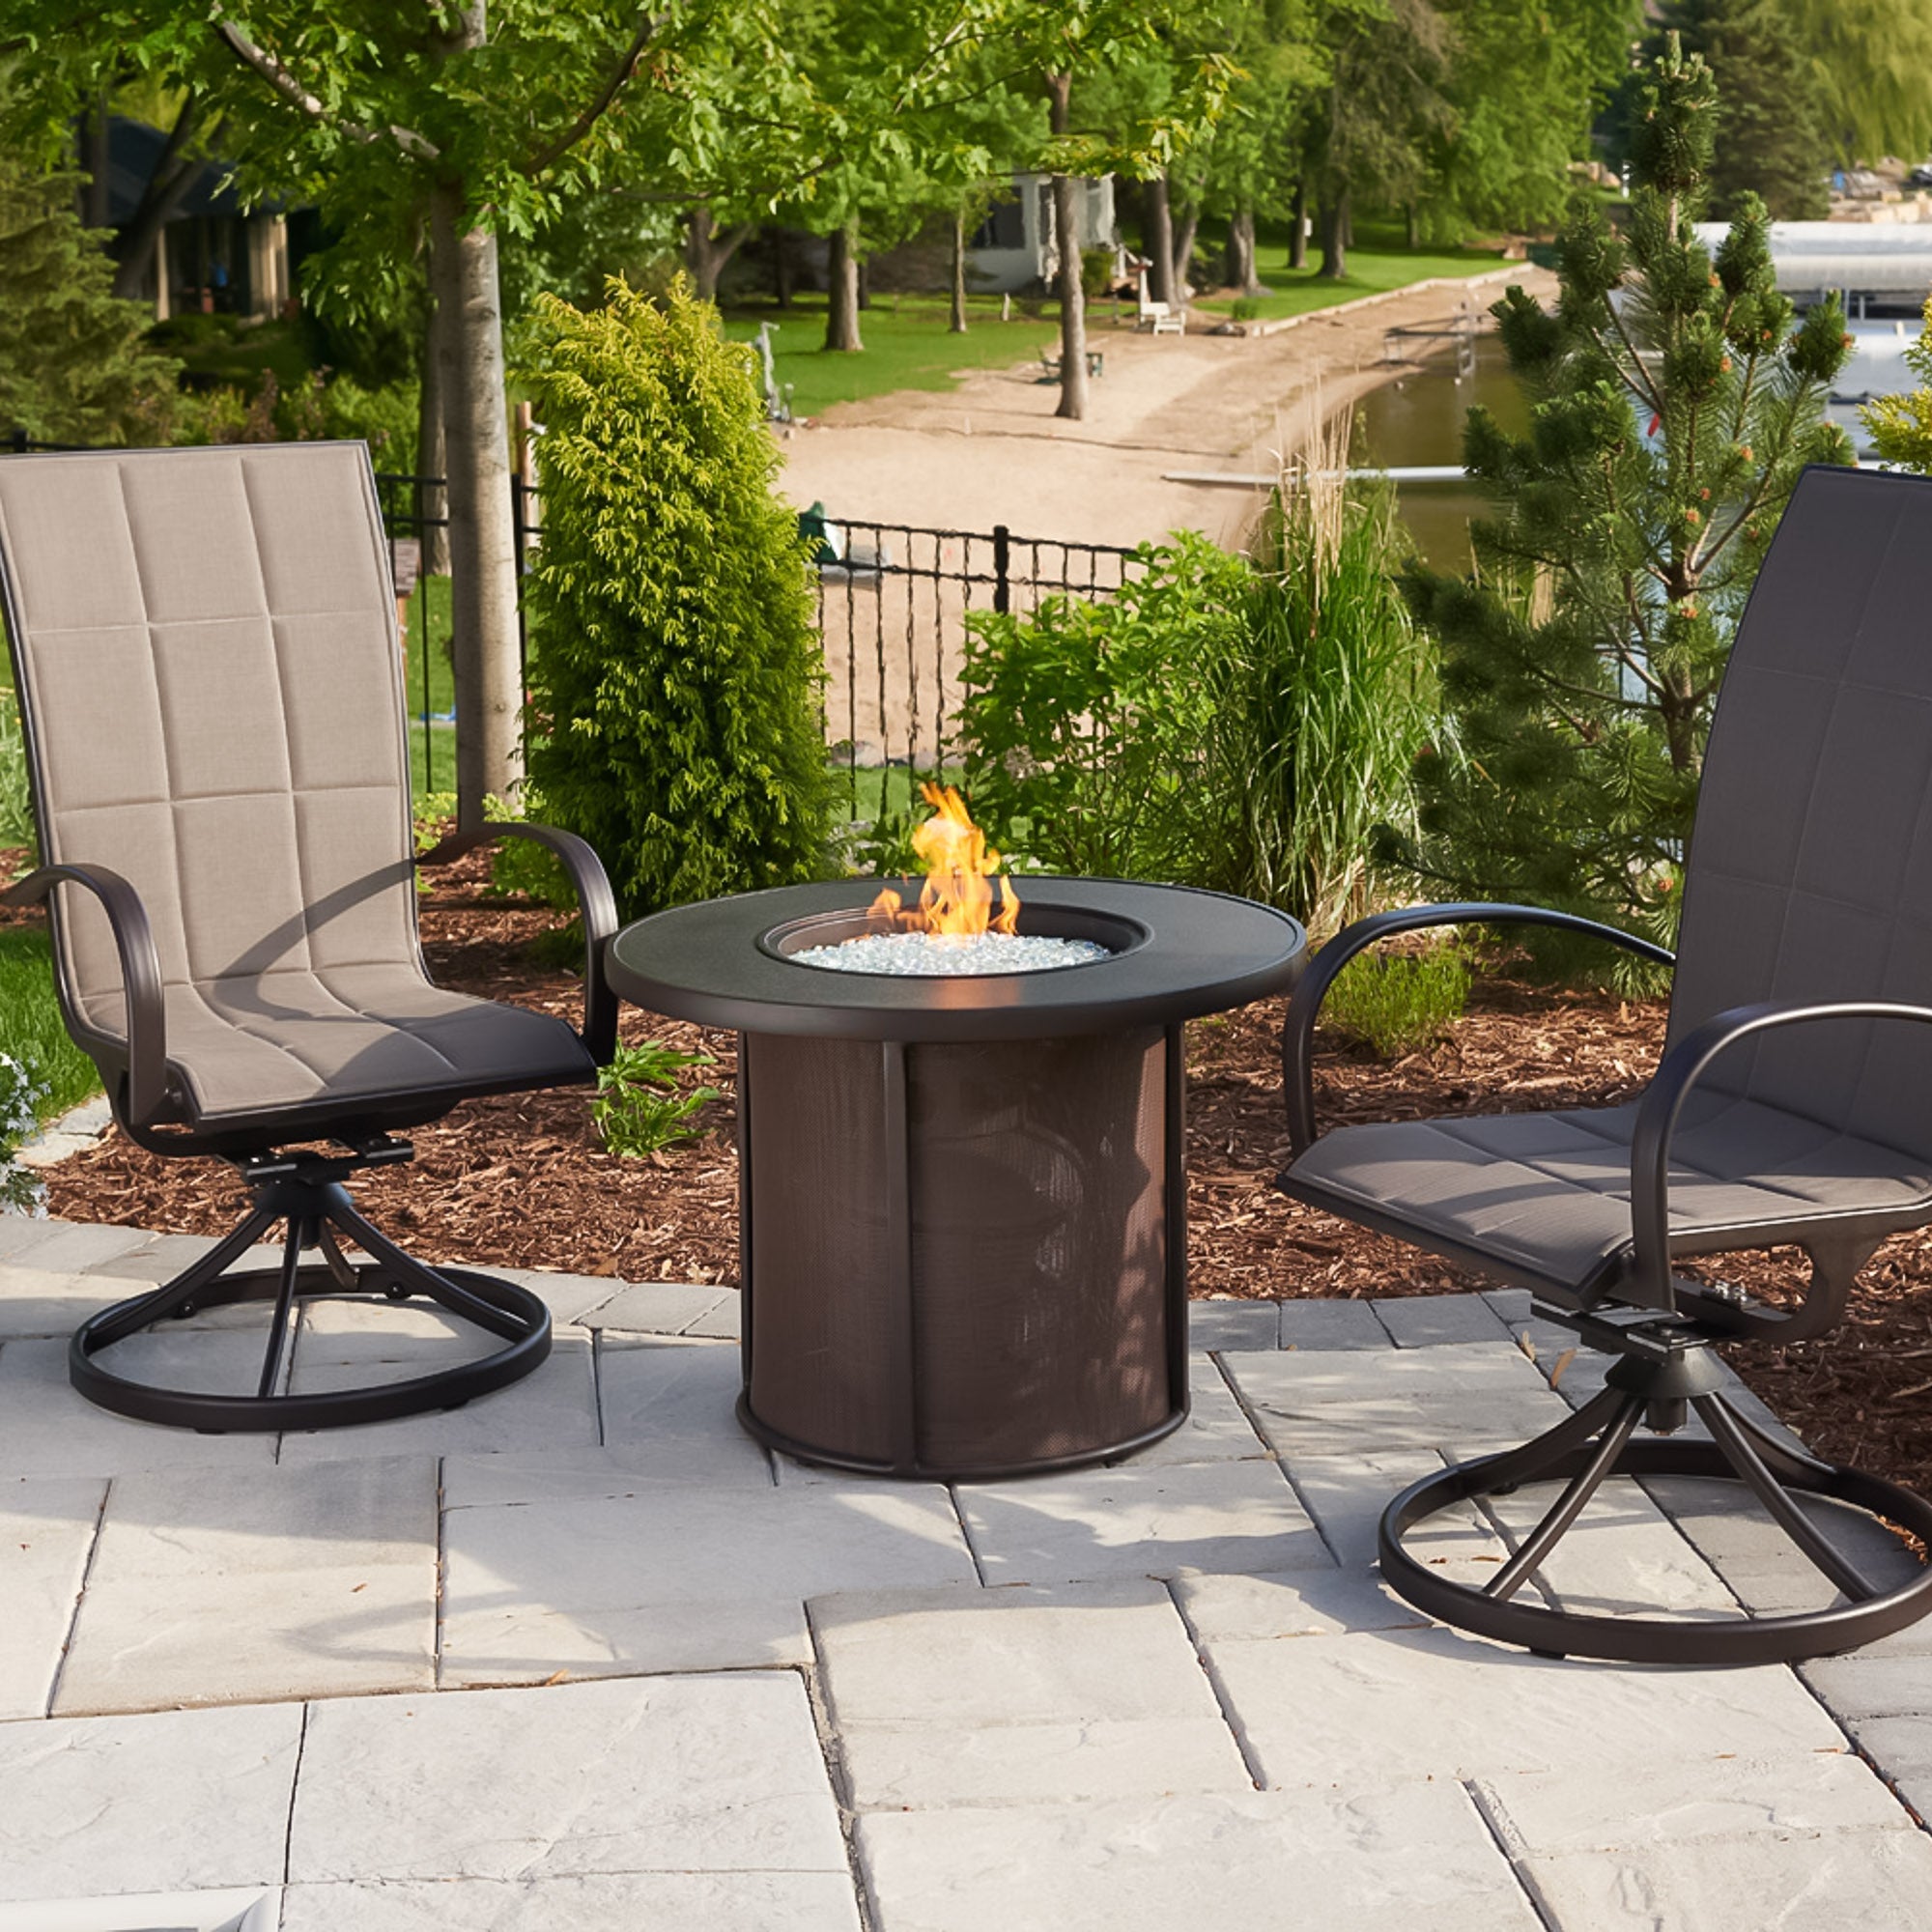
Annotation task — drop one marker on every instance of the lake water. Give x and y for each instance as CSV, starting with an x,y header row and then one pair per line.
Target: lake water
x,y
1418,420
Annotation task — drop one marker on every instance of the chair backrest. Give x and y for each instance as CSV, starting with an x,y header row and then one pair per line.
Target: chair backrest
x,y
1811,868
205,647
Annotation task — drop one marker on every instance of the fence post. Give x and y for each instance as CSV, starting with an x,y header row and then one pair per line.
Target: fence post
x,y
1003,550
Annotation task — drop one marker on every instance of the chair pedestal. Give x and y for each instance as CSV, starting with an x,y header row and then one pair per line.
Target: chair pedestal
x,y
1668,1373
306,1192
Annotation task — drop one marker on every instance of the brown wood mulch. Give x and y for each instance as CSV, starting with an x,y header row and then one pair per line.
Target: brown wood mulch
x,y
522,1181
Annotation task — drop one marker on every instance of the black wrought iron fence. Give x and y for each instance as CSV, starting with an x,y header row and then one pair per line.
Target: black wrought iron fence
x,y
894,601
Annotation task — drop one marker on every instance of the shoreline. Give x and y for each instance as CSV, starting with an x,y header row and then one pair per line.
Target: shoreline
x,y
991,451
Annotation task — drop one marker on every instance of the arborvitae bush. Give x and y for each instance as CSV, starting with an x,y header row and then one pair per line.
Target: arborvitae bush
x,y
674,662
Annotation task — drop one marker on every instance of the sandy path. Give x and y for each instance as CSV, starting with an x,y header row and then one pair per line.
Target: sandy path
x,y
992,451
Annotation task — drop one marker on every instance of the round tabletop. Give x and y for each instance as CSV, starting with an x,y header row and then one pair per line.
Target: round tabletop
x,y
1189,952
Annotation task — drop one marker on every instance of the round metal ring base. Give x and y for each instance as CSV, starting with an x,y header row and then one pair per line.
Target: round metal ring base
x,y
918,1471
334,1409
1740,1641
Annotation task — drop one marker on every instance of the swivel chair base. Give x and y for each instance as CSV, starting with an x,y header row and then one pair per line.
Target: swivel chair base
x,y
306,1191
1596,1443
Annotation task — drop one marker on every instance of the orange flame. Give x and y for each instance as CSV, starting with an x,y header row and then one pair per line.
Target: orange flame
x,y
960,873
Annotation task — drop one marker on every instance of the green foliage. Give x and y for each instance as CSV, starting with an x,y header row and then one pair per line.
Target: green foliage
x,y
1675,406
674,665
318,408
21,1189
1090,722
1397,1003
638,1107
1901,426
1769,135
1335,699
74,367
31,1029
17,800
1873,60
1243,723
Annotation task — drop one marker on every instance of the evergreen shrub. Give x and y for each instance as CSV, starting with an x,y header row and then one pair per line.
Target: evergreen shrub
x,y
675,667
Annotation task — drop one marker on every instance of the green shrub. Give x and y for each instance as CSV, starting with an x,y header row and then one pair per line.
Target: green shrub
x,y
637,1108
1089,723
1245,308
21,1189
1241,722
1396,1003
16,803
675,664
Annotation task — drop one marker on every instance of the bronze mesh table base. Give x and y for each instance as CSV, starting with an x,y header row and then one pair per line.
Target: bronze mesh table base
x,y
962,1201
963,1259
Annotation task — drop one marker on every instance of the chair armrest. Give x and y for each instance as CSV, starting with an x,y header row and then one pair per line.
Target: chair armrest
x,y
594,900
1297,1033
144,1010
1649,1281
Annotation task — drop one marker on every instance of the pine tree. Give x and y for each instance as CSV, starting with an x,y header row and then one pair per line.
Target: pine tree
x,y
1770,137
1673,405
73,364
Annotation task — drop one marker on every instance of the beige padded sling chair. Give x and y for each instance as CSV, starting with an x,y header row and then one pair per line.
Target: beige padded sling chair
x,y
204,644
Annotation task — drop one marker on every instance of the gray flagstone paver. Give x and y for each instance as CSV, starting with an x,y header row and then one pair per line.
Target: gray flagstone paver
x,y
1055,1721
595,1902
1372,1859
171,1800
220,1587
662,1774
47,1530
1136,1521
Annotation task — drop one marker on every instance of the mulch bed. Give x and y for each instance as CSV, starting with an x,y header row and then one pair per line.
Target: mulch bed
x,y
522,1181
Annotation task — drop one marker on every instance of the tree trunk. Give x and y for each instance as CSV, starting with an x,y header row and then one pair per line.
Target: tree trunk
x,y
708,249
841,296
482,546
1332,220
1066,283
1413,221
93,161
432,452
1240,263
1184,252
863,282
1348,219
1158,240
956,322
781,266
1297,236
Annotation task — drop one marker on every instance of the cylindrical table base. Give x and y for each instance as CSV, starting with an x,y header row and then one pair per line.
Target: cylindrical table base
x,y
962,1260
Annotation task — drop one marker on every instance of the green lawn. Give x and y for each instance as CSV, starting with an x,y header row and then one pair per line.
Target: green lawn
x,y
1371,270
30,1023
907,346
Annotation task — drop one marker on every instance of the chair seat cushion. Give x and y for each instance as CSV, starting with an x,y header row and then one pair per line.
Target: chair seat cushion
x,y
1546,1196
259,1043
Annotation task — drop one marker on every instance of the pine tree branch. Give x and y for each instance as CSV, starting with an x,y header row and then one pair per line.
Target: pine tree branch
x,y
553,151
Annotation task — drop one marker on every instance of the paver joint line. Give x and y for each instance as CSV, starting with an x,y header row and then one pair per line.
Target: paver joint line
x,y
80,1598
1205,1657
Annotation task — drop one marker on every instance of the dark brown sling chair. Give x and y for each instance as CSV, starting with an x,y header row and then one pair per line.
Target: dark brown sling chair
x,y
1792,1106
205,648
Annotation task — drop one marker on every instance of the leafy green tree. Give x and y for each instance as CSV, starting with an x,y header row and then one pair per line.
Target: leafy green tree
x,y
1901,426
74,367
1675,406
1873,64
675,662
1770,138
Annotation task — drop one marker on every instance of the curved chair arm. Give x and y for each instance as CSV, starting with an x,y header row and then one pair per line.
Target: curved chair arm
x,y
1298,1035
145,1012
1649,1281
594,899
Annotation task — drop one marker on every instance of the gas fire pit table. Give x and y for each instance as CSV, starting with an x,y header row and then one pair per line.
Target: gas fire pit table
x,y
963,1206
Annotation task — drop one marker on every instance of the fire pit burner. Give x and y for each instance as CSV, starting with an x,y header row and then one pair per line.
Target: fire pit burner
x,y
928,953
963,1248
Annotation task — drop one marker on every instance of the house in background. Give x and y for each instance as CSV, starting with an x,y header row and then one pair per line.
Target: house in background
x,y
1016,246
209,253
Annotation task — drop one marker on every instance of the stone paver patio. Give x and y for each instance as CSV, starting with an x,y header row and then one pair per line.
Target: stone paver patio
x,y
581,1655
